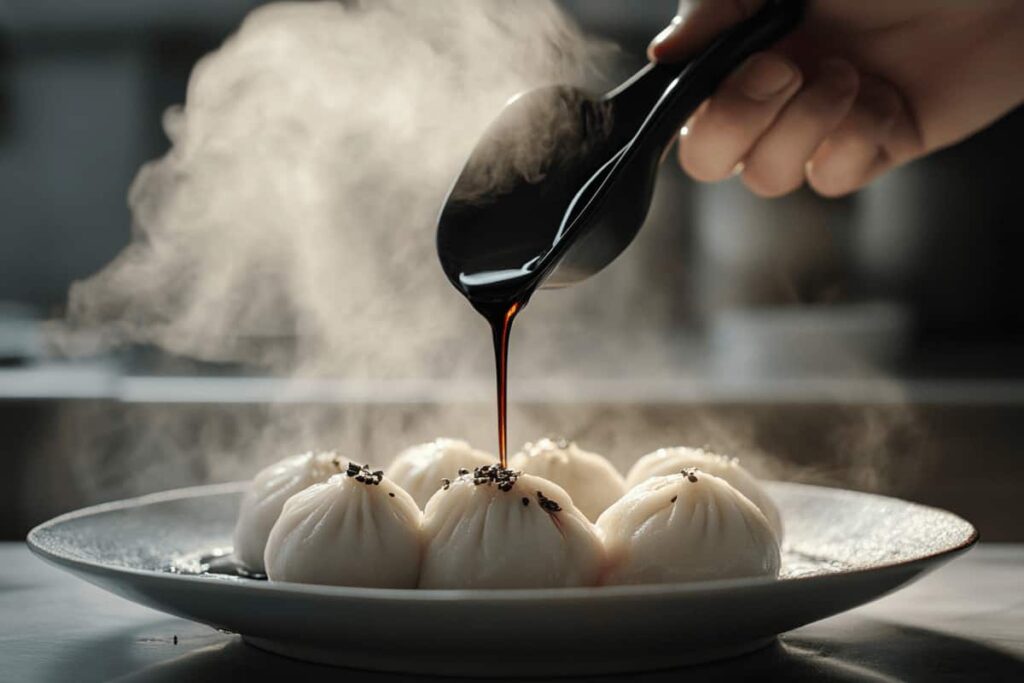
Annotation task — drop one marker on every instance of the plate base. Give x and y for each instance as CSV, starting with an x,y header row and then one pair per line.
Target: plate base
x,y
469,667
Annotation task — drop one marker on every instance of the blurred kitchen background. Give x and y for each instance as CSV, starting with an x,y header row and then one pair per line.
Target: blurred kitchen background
x,y
875,341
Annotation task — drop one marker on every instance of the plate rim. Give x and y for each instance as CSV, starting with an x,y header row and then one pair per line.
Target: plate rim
x,y
433,595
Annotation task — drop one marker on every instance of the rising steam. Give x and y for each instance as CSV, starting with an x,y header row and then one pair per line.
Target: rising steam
x,y
307,166
291,225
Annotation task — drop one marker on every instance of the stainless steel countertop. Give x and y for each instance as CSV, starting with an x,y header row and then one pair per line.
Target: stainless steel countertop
x,y
964,622
107,381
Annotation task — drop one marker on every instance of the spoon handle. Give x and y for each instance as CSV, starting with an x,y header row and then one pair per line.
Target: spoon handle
x,y
663,96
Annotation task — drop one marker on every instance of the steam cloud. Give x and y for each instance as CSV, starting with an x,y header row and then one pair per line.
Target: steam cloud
x,y
306,170
291,225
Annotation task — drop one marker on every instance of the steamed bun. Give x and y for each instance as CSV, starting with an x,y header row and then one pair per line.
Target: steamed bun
x,y
690,526
420,469
355,529
592,481
672,460
267,494
497,528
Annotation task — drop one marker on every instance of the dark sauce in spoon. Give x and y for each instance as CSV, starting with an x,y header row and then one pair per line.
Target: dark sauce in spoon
x,y
560,182
498,245
563,219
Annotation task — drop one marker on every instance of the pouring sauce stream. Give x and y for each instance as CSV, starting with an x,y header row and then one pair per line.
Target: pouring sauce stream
x,y
500,317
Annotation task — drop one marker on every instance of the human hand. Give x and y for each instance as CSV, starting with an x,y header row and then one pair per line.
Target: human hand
x,y
858,88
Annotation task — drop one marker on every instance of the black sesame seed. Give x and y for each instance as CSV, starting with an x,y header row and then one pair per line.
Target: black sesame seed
x,y
504,478
463,470
675,498
175,640
445,483
392,495
364,475
526,501
547,504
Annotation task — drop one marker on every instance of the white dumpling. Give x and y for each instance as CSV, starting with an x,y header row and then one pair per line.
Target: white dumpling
x,y
593,483
266,495
420,469
686,527
672,460
496,528
355,529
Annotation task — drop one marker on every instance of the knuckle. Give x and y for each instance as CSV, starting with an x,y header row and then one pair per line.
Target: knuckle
x,y
726,120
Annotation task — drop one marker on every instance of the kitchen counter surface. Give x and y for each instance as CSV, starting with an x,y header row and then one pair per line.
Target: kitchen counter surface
x,y
964,622
107,380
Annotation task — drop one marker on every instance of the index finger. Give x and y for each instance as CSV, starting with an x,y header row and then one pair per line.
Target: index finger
x,y
696,24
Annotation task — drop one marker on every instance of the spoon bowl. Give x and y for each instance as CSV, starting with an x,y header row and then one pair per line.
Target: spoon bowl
x,y
561,181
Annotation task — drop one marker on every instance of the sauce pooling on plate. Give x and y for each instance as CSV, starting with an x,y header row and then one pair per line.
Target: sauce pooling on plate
x,y
218,561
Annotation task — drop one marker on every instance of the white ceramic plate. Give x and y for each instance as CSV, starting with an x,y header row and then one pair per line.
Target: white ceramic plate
x,y
843,549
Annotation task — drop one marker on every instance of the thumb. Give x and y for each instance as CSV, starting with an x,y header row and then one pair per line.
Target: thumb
x,y
696,24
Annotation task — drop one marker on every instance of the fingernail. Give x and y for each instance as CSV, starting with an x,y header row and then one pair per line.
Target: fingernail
x,y
838,74
765,76
666,33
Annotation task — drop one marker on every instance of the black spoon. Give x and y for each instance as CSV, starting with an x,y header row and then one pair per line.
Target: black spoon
x,y
561,181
